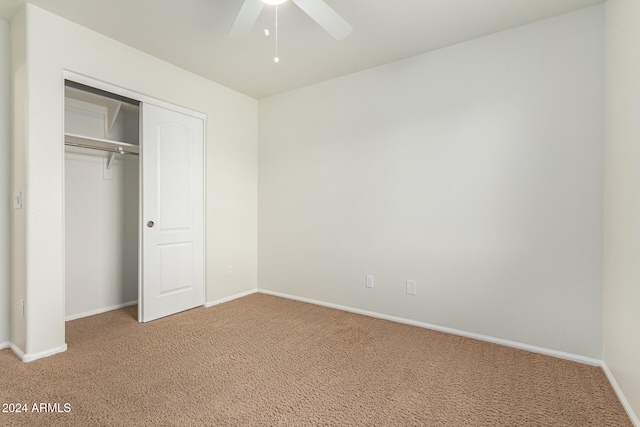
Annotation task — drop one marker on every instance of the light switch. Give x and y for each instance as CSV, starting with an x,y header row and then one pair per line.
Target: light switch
x,y
17,200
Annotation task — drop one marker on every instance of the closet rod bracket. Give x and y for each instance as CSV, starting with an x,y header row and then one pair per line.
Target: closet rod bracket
x,y
112,155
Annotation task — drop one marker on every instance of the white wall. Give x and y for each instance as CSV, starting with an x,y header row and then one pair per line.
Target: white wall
x,y
5,178
475,170
101,232
55,44
19,180
622,199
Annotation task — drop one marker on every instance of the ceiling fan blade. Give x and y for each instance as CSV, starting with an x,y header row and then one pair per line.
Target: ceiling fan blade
x,y
326,17
246,19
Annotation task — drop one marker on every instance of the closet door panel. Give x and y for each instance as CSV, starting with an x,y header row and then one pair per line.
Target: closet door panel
x,y
175,177
172,274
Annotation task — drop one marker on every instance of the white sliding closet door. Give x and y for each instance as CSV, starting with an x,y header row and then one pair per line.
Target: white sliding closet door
x,y
172,212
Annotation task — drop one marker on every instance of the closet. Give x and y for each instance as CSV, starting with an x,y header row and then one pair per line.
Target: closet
x,y
101,201
134,203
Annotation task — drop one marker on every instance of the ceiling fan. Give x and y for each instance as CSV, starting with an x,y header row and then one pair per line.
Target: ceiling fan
x,y
318,10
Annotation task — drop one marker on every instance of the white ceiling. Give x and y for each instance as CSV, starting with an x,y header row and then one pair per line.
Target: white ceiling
x,y
192,34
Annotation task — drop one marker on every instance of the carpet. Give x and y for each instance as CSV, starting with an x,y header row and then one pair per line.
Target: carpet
x,y
267,361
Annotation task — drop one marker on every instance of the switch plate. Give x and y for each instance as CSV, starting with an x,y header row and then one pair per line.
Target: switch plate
x,y
369,282
17,200
229,270
411,287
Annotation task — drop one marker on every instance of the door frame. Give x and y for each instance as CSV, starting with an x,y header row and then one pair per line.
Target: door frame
x,y
107,87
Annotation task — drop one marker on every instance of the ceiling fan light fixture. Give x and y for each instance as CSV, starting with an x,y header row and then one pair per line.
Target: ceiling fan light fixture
x,y
317,10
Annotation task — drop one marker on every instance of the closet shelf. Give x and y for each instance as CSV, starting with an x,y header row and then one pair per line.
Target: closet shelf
x,y
100,144
113,106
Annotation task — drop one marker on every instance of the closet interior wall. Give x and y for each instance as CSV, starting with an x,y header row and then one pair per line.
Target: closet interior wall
x,y
101,204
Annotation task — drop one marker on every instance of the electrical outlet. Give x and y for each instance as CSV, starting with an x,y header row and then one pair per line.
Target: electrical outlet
x,y
229,270
369,282
411,287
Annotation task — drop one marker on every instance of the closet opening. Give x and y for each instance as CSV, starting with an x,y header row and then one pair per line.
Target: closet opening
x,y
134,182
102,200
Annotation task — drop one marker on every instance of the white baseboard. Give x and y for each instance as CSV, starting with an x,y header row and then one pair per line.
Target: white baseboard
x,y
623,399
28,357
508,343
230,298
100,310
4,345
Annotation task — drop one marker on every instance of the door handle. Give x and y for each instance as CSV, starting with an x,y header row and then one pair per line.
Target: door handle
x,y
150,224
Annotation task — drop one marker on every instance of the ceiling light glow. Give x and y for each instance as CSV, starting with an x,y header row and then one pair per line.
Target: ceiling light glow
x,y
274,2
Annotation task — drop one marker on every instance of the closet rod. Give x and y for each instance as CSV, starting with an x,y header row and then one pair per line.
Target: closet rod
x,y
91,147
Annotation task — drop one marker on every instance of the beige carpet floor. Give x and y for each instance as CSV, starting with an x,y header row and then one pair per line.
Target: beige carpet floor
x,y
267,361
